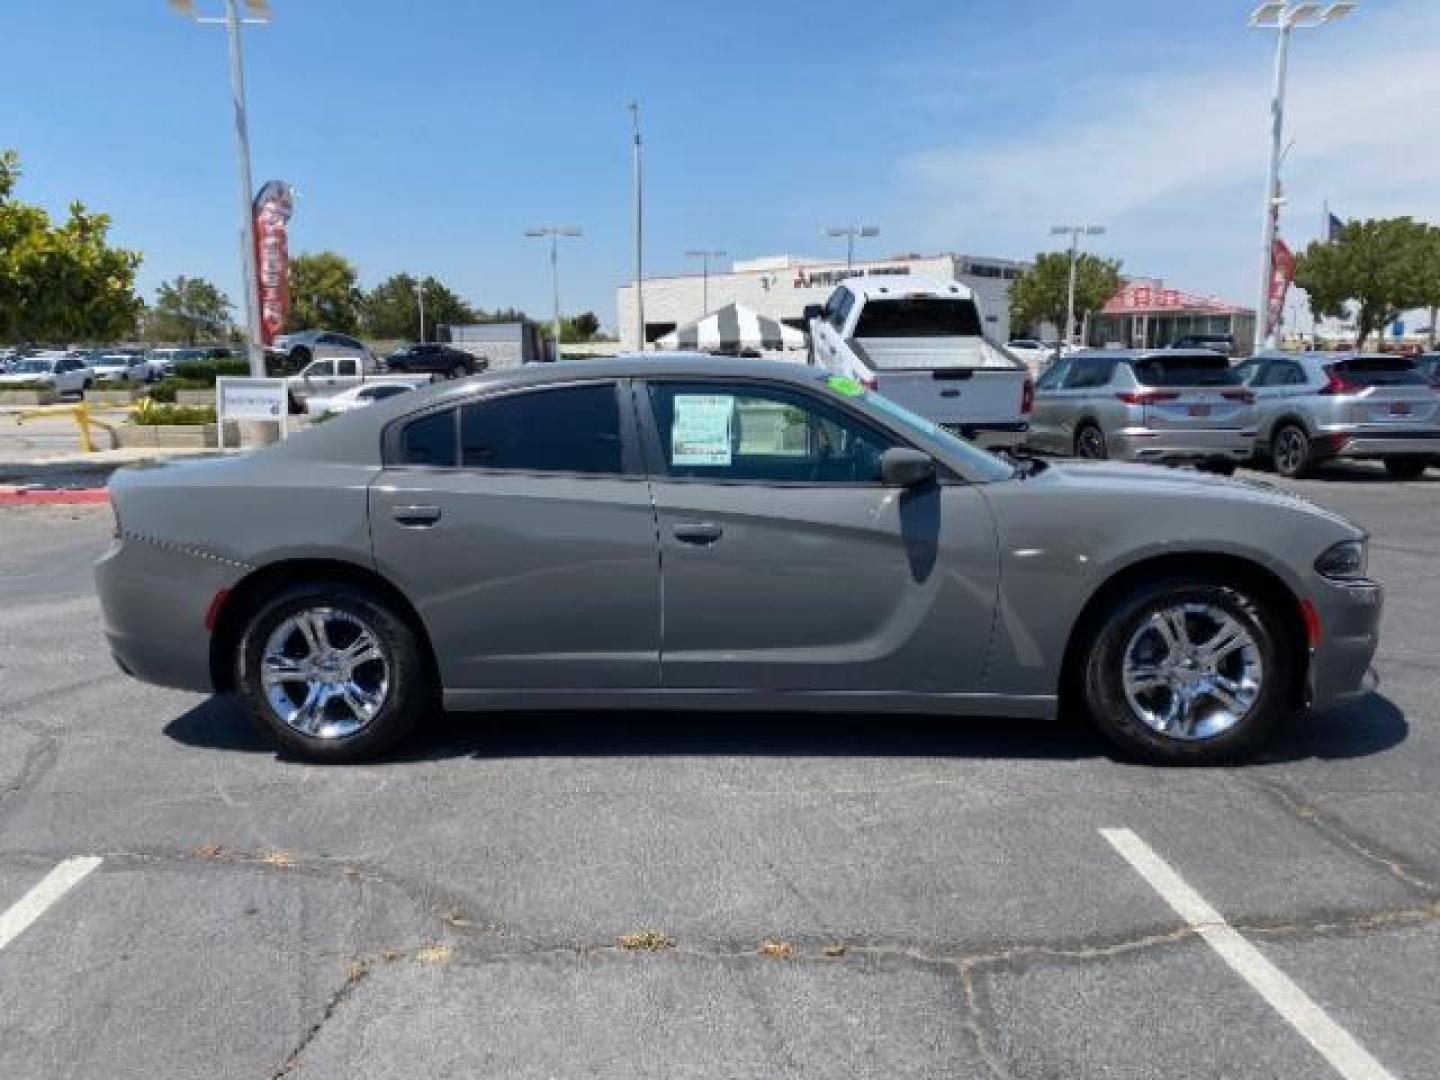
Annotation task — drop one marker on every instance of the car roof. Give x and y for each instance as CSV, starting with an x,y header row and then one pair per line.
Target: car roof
x,y
898,286
1326,357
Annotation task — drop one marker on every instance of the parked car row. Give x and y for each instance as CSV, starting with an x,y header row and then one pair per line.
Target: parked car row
x,y
1294,411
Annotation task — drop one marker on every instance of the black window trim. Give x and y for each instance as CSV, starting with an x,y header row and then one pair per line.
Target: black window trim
x,y
630,458
655,451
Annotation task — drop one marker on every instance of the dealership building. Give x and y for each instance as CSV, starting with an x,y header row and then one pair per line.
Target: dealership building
x,y
781,286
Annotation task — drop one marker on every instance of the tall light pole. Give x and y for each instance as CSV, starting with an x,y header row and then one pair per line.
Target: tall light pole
x,y
850,232
1074,232
420,298
639,200
705,257
554,232
259,15
1281,17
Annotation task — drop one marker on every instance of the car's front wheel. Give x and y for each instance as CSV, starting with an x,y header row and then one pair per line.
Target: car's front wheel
x,y
1090,443
330,673
1290,452
1188,672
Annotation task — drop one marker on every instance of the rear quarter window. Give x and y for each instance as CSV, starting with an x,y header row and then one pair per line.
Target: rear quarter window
x,y
430,440
1212,370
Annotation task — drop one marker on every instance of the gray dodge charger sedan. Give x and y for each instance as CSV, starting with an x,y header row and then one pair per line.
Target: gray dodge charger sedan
x,y
685,532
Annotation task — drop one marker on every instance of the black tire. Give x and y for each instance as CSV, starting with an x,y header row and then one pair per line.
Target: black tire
x,y
409,692
1291,452
88,386
1103,688
298,358
1090,443
1406,468
457,371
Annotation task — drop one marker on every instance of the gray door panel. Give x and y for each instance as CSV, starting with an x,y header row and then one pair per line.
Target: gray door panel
x,y
524,580
793,587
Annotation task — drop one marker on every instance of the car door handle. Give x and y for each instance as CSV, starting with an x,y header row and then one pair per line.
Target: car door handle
x,y
416,517
697,532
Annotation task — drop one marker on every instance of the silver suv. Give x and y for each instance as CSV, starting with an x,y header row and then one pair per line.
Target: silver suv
x,y
1317,407
1163,405
299,348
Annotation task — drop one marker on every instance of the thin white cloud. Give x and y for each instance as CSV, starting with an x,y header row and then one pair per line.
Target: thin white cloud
x,y
1175,164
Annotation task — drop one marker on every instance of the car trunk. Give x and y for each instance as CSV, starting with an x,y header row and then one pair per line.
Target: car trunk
x,y
1383,390
1192,392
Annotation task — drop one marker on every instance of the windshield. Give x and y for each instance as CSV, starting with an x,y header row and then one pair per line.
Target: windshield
x,y
1212,370
918,317
31,367
986,466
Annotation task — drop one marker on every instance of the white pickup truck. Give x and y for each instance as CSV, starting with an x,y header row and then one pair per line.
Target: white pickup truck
x,y
327,377
921,343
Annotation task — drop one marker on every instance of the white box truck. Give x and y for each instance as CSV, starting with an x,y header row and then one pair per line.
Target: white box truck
x,y
921,343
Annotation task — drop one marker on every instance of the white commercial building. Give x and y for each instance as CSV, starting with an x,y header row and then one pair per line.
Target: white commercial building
x,y
781,286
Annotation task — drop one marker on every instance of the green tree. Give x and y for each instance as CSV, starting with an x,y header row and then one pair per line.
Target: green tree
x,y
188,309
391,309
582,327
1041,293
324,293
1378,264
61,282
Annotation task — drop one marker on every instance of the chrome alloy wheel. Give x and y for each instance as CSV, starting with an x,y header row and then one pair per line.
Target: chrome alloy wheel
x,y
325,673
1192,671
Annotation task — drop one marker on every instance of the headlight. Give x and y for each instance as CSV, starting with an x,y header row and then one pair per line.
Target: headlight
x,y
1346,561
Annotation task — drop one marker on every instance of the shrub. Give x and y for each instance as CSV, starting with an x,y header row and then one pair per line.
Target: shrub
x,y
28,386
207,371
166,415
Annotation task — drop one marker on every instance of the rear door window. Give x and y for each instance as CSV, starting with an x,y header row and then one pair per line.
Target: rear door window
x,y
1088,372
1191,369
430,440
919,317
570,430
1380,371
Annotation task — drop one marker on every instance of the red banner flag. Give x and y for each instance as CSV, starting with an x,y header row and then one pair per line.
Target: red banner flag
x,y
273,207
1282,273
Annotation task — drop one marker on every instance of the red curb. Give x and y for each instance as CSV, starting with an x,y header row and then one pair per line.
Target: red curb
x,y
53,496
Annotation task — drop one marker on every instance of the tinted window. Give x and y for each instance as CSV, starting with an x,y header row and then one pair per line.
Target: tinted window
x,y
1282,373
380,393
576,430
730,432
1052,379
1380,371
429,440
1185,370
920,317
348,367
1087,372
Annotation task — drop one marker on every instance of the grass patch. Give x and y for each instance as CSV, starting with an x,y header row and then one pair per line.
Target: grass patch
x,y
646,941
780,950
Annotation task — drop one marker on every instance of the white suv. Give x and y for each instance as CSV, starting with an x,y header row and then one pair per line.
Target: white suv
x,y
66,373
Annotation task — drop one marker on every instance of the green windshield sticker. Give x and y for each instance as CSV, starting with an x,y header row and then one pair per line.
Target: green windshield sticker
x,y
847,386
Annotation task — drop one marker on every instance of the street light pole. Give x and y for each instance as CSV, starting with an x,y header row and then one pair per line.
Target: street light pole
x,y
1281,17
1074,232
420,296
850,232
233,23
639,211
555,232
705,257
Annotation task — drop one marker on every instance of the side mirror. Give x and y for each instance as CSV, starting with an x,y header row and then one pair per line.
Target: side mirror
x,y
814,311
905,468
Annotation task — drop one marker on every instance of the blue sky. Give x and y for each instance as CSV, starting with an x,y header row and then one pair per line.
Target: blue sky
x,y
427,136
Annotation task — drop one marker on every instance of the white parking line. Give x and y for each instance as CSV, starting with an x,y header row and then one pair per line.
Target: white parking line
x,y
17,919
1335,1044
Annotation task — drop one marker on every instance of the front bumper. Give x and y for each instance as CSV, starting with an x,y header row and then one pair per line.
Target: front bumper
x,y
1163,444
1340,666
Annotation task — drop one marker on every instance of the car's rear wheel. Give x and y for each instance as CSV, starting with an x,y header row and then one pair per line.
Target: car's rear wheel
x,y
1188,671
457,371
299,357
1090,443
1290,451
1406,468
330,673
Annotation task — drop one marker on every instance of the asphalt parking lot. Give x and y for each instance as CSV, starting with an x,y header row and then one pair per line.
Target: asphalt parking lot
x,y
797,896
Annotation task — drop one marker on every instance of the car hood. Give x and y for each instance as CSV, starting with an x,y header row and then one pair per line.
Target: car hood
x,y
1112,478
